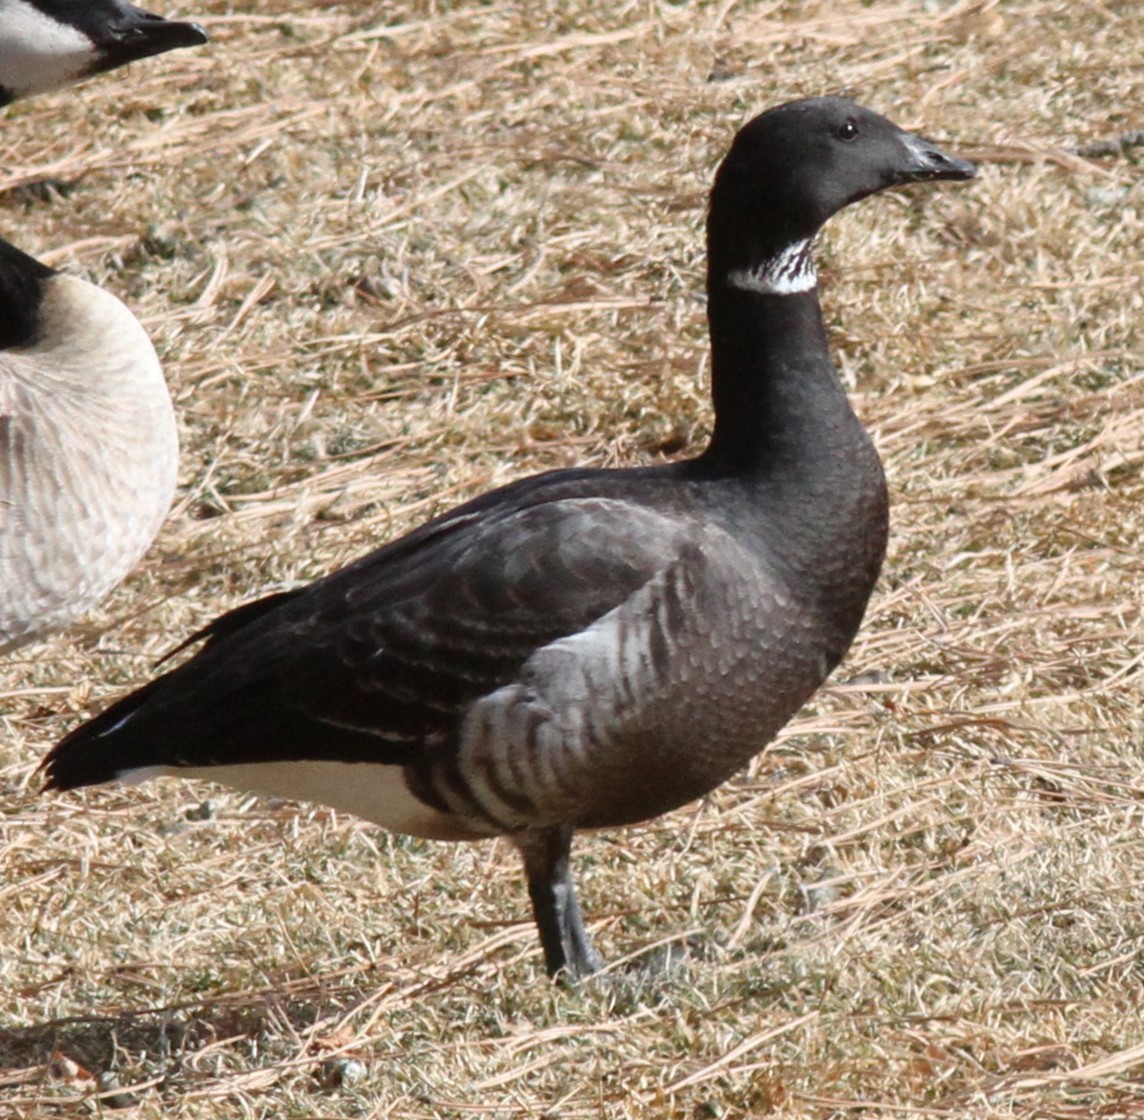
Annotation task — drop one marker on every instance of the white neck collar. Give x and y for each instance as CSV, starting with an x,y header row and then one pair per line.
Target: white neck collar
x,y
789,271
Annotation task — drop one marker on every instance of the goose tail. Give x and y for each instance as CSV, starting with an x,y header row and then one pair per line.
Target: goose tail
x,y
104,749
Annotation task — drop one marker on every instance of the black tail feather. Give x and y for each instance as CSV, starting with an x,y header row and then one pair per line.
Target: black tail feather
x,y
81,759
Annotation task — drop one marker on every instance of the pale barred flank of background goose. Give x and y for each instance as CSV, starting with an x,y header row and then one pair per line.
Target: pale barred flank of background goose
x,y
88,448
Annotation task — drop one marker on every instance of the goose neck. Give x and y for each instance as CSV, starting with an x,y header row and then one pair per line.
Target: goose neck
x,y
773,384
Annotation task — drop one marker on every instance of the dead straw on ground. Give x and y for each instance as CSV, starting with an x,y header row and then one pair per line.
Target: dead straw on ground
x,y
393,254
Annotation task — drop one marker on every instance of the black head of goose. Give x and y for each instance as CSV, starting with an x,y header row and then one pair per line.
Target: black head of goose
x,y
46,44
88,446
583,648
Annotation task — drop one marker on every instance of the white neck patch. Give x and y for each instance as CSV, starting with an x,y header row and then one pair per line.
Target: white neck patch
x,y
789,271
38,53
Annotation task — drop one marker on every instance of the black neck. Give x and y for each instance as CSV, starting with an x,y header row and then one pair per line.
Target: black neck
x,y
784,427
22,283
777,397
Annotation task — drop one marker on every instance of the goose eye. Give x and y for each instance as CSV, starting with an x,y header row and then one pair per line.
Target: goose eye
x,y
848,129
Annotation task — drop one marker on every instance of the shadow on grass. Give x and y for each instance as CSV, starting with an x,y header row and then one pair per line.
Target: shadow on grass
x,y
193,1039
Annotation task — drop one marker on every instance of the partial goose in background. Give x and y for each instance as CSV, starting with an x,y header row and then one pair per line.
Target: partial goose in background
x,y
583,648
88,446
46,44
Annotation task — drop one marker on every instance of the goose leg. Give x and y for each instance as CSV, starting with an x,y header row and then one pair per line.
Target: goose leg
x,y
567,947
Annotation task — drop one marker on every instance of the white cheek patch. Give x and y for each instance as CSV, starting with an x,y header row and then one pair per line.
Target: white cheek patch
x,y
38,53
788,272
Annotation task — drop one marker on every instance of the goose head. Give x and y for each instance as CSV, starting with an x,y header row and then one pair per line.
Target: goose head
x,y
791,168
46,44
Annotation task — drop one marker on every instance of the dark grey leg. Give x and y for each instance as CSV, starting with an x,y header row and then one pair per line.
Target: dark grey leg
x,y
554,906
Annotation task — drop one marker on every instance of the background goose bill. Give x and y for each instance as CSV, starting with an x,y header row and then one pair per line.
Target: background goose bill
x,y
140,34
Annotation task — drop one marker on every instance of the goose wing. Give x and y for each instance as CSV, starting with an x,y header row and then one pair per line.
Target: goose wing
x,y
375,661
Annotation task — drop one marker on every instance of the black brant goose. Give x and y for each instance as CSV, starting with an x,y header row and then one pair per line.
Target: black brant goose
x,y
583,648
88,446
46,44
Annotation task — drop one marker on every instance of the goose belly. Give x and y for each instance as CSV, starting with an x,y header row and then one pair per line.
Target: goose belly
x,y
376,793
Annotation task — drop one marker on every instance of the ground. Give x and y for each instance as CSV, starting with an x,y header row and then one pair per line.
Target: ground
x,y
394,253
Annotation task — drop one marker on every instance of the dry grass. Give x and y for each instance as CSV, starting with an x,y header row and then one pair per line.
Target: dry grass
x,y
394,253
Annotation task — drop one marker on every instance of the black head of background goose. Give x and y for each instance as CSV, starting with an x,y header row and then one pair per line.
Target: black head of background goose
x,y
582,648
47,44
88,446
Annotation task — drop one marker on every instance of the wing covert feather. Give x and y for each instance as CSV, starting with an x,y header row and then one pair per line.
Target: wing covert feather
x,y
403,655
386,655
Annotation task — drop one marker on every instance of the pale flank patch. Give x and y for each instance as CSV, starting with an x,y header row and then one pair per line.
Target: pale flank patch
x,y
143,774
38,53
372,791
788,272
